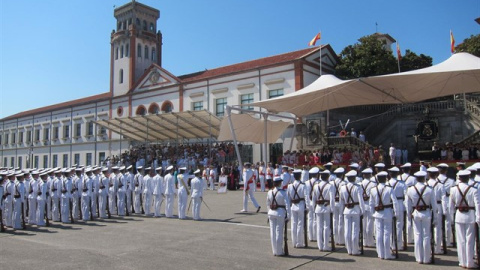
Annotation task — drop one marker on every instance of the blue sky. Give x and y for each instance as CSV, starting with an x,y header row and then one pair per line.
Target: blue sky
x,y
55,51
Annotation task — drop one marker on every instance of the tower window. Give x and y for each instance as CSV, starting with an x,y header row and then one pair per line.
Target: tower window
x,y
139,50
144,25
116,53
120,76
137,21
119,25
167,106
153,109
121,52
152,28
153,54
129,21
127,50
124,25
141,110
146,52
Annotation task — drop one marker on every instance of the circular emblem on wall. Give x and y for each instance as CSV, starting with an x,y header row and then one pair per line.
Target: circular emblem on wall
x,y
119,111
154,77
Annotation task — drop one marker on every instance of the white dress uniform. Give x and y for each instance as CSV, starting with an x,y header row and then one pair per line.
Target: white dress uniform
x,y
56,193
409,180
305,176
261,177
351,201
464,199
169,194
296,195
311,218
447,183
67,187
94,194
441,199
128,176
368,220
86,194
103,186
399,189
384,201
112,193
182,196
18,198
121,194
323,201
278,210
212,178
42,190
147,194
338,226
248,189
8,202
137,185
77,195
158,194
32,200
420,202
197,196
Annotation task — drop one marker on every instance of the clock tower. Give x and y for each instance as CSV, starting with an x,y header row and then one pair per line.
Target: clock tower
x,y
135,45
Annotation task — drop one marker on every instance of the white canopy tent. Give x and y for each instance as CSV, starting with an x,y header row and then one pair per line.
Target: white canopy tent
x,y
458,74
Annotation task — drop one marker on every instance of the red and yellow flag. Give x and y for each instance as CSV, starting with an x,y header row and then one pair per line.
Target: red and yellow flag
x,y
314,40
452,42
399,53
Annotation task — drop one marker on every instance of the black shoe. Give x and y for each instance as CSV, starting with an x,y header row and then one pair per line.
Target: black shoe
x,y
258,209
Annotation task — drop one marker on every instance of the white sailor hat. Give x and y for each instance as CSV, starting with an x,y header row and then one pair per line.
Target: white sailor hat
x,y
67,170
432,169
169,168
472,168
35,172
105,169
339,170
314,170
148,169
43,174
325,172
353,165
19,174
420,174
129,167
393,169
367,170
277,178
382,173
122,168
58,171
183,168
442,165
380,165
406,165
87,170
158,169
197,171
463,173
115,168
10,173
476,165
351,173
460,163
139,167
328,164
247,164
297,171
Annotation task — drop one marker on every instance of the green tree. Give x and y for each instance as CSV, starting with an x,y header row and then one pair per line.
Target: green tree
x,y
412,61
369,57
470,45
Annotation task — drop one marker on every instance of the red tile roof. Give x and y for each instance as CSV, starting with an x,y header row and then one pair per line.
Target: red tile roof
x,y
257,63
62,105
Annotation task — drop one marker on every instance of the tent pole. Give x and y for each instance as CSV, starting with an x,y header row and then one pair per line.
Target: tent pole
x,y
228,109
293,134
265,139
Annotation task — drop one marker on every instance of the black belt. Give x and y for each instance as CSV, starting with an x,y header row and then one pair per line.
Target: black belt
x,y
298,200
323,202
64,191
337,199
465,208
30,192
7,194
16,196
102,187
422,207
54,189
439,202
85,189
382,207
366,198
39,193
351,205
400,198
274,207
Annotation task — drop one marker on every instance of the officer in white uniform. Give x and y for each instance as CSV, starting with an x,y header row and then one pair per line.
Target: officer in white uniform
x,y
311,218
128,176
367,184
86,194
32,197
56,193
352,204
296,195
261,176
323,201
197,194
103,185
338,229
409,180
169,192
447,183
248,188
183,193
19,192
420,203
464,199
77,179
440,197
95,189
42,197
278,214
158,192
399,189
384,201
148,190
66,200
138,186
286,177
8,203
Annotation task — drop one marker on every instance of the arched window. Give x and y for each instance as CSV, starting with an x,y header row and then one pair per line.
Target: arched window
x,y
167,106
154,55
121,52
139,50
137,21
116,53
124,25
127,50
144,25
120,76
153,109
146,52
152,28
141,110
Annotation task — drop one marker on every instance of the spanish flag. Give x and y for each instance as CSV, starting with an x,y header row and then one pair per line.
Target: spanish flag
x,y
452,42
314,40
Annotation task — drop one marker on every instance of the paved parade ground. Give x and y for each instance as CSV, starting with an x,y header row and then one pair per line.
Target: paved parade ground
x,y
225,239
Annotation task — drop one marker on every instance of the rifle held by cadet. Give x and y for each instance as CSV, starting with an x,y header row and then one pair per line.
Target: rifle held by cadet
x,y
432,238
2,228
24,226
285,240
305,213
71,210
47,222
126,205
332,240
404,230
395,236
361,234
444,236
477,242
108,207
